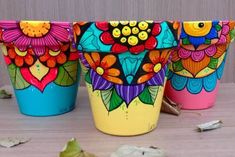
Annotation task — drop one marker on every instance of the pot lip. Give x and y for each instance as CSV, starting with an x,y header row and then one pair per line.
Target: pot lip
x,y
8,25
216,40
102,28
36,21
12,28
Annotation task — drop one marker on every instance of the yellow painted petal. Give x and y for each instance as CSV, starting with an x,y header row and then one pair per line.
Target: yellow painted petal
x,y
4,49
54,53
38,70
20,53
197,29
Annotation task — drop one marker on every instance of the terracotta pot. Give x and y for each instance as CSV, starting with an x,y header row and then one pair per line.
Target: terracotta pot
x,y
124,63
198,63
42,67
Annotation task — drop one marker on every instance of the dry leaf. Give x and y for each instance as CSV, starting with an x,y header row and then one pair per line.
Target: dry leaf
x,y
12,141
73,149
4,94
168,106
209,125
133,151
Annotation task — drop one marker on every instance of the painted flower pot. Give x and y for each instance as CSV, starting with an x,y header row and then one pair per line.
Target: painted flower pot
x,y
43,68
198,63
124,63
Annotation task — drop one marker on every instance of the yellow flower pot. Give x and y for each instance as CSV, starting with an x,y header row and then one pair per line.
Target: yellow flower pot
x,y
125,63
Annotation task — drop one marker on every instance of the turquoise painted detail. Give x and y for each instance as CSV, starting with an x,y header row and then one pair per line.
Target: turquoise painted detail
x,y
220,70
166,38
210,82
130,64
194,85
54,100
178,82
90,41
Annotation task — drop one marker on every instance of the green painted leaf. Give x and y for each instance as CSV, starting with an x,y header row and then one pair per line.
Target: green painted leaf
x,y
149,94
17,80
67,74
218,27
213,63
88,77
177,66
186,41
207,41
232,34
111,99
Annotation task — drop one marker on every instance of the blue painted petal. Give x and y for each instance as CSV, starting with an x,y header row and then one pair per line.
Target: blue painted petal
x,y
212,34
209,82
169,74
220,70
215,22
183,34
178,82
196,41
194,85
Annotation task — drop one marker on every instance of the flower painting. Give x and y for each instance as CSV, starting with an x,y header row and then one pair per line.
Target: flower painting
x,y
198,61
125,60
38,53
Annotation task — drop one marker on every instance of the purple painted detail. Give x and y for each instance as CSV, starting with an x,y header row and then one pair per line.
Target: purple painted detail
x,y
128,93
158,78
99,83
83,60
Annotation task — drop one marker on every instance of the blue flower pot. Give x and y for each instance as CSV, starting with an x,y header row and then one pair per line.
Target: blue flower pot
x,y
42,66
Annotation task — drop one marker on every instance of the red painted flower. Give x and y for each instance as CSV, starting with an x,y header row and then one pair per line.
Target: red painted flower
x,y
129,35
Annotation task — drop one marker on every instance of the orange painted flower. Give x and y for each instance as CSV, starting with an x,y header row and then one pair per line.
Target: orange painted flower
x,y
158,60
20,58
103,66
77,29
52,58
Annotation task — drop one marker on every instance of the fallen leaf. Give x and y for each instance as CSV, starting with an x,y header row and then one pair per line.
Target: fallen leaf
x,y
169,106
12,141
209,125
4,94
73,149
133,151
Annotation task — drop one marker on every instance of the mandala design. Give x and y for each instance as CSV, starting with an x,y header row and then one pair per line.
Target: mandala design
x,y
38,53
198,61
123,69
